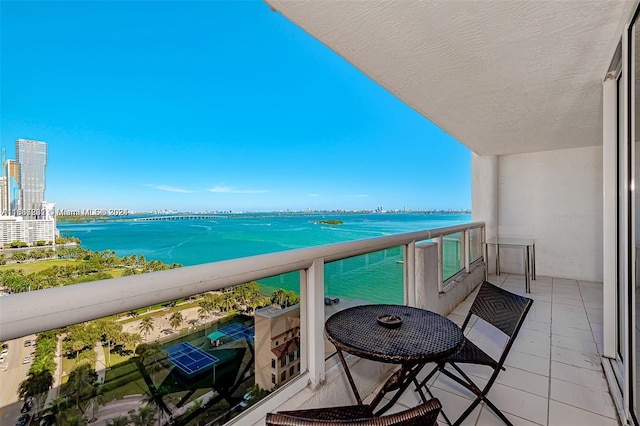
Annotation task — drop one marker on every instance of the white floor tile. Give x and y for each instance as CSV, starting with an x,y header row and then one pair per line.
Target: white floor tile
x,y
589,399
567,301
449,385
489,418
590,294
525,381
564,282
566,415
567,292
580,376
522,404
528,362
575,333
575,358
537,348
574,344
540,311
595,316
454,405
530,324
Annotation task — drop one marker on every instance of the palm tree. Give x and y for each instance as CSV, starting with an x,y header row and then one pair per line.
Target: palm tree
x,y
144,416
118,421
112,332
146,326
229,301
36,385
202,313
278,297
131,339
176,320
74,419
56,407
82,383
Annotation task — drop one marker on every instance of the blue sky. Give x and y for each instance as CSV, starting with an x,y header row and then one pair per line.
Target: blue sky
x,y
210,106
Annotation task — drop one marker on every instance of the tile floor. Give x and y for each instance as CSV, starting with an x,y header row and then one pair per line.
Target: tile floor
x,y
553,375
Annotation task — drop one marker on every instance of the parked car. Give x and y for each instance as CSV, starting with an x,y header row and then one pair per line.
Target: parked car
x,y
26,359
4,351
245,400
23,420
27,406
47,420
27,343
3,358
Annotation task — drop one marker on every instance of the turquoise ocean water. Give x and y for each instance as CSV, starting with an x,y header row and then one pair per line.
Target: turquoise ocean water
x,y
376,277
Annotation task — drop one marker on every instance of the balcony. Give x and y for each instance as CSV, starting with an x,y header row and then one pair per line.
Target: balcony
x,y
555,376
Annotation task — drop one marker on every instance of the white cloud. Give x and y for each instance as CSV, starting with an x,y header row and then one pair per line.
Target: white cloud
x,y
169,188
314,195
230,190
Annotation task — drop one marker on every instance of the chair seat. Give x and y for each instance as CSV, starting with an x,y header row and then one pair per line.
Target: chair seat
x,y
424,414
472,354
349,412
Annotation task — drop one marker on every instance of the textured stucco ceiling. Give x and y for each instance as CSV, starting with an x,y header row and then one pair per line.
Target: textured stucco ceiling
x,y
502,77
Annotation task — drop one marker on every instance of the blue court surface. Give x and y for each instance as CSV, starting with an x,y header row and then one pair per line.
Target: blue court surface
x,y
236,331
190,359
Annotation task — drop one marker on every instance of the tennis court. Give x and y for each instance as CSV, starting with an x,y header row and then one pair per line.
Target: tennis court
x,y
238,331
190,359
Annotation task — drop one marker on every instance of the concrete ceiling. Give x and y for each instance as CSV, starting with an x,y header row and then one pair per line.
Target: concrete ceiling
x,y
502,77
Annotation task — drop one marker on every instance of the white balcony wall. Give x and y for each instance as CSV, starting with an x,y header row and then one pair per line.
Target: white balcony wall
x,y
556,198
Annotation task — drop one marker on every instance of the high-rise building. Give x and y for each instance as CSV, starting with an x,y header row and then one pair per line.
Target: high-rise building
x,y
12,175
24,215
32,159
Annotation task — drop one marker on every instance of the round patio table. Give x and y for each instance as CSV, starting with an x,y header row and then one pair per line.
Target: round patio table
x,y
421,337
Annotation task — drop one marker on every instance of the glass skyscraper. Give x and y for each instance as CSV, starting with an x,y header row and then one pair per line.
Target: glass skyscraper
x,y
32,159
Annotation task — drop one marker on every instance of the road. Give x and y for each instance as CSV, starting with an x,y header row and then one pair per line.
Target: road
x,y
11,378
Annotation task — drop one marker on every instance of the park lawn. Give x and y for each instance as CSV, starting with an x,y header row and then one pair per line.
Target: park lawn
x,y
116,272
115,357
122,380
67,366
37,266
40,265
135,387
159,310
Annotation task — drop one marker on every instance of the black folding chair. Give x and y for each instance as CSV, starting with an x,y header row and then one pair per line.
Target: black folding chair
x,y
424,414
505,311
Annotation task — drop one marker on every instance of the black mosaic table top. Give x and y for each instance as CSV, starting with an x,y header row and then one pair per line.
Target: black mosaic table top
x,y
423,336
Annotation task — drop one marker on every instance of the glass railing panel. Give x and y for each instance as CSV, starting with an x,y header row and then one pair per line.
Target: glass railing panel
x,y
193,360
475,244
376,277
452,258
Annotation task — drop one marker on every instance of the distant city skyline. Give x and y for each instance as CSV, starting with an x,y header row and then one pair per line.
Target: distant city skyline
x,y
211,106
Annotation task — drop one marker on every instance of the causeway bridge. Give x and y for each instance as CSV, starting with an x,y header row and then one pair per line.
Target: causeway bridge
x,y
175,217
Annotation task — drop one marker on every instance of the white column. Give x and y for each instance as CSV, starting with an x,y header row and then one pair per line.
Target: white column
x,y
315,322
485,197
410,284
